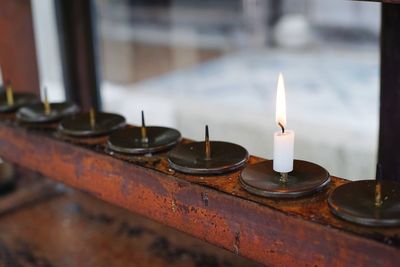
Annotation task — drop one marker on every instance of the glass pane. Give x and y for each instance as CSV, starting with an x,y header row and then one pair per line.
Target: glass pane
x,y
192,63
47,49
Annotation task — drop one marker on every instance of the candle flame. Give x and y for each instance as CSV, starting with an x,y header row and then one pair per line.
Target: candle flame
x,y
280,103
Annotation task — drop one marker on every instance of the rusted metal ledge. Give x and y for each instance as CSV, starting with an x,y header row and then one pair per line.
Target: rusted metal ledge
x,y
215,209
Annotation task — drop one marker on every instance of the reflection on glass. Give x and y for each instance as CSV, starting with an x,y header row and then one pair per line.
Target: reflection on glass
x,y
190,63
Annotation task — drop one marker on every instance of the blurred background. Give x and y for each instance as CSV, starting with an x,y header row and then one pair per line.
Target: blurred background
x,y
188,63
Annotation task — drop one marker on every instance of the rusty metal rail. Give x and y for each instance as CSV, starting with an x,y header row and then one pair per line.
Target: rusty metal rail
x,y
215,209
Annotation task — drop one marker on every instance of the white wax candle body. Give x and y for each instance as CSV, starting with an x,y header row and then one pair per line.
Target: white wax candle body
x,y
283,151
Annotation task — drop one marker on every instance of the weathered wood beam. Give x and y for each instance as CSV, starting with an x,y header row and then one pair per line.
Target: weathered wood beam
x,y
298,232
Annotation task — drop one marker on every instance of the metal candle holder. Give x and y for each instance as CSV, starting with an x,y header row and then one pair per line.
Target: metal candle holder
x,y
367,202
45,112
40,113
17,100
144,139
208,157
305,179
91,124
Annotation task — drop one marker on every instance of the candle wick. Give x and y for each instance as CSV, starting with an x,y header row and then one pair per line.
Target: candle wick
x,y
378,186
281,125
143,130
207,144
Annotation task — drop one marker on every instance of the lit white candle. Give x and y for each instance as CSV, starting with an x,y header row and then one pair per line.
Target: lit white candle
x,y
283,139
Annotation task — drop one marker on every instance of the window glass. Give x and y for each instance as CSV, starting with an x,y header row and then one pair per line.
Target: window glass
x,y
191,63
47,49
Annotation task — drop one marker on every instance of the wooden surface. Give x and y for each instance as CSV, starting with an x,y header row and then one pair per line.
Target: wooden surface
x,y
68,228
17,46
389,130
215,209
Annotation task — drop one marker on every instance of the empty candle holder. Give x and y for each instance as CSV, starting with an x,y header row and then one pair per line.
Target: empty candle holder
x,y
367,202
35,113
207,157
143,140
91,123
11,101
45,112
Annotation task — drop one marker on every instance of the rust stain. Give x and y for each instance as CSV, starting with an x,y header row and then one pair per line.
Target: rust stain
x,y
173,205
236,246
204,197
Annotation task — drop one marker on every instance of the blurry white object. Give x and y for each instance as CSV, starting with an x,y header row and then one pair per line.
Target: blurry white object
x,y
47,49
292,31
159,110
346,14
254,17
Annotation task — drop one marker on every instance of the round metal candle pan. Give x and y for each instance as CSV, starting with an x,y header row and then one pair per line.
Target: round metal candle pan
x,y
129,140
79,124
35,113
355,202
305,179
190,158
20,100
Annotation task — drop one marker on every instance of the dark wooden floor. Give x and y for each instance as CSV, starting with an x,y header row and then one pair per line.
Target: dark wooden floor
x,y
63,227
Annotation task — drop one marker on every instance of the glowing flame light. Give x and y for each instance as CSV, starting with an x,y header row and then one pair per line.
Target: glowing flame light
x,y
280,102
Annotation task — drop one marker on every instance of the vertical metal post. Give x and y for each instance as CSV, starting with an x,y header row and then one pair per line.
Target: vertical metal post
x,y
77,35
389,129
